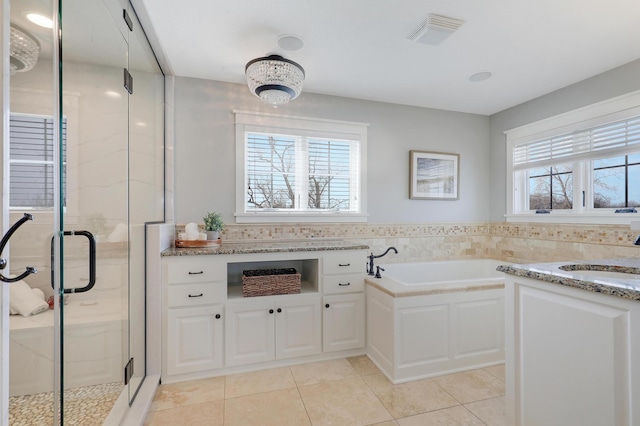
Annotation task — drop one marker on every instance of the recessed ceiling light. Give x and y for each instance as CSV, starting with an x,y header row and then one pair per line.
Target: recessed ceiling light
x,y
113,94
43,21
480,76
290,42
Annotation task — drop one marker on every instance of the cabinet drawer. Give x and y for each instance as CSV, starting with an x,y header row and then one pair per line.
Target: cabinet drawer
x,y
346,262
196,294
335,284
193,270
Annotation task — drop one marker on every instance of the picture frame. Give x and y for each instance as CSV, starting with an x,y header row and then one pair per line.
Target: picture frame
x,y
434,175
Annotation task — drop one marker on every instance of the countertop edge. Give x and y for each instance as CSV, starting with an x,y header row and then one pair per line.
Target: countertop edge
x,y
591,286
427,290
260,248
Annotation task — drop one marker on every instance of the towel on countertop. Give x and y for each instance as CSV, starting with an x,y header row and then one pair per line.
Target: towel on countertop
x,y
24,300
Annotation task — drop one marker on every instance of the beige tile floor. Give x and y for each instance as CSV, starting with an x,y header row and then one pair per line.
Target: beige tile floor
x,y
340,392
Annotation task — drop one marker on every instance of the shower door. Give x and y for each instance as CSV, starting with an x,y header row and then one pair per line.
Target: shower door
x,y
86,159
94,242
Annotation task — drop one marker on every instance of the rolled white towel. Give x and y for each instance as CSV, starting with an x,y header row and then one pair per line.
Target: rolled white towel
x,y
23,300
192,231
39,293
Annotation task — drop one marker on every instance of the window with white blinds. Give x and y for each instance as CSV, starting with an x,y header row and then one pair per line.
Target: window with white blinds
x,y
299,169
582,166
607,140
301,173
32,171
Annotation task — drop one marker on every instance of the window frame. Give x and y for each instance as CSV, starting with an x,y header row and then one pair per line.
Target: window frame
x,y
246,121
614,109
10,161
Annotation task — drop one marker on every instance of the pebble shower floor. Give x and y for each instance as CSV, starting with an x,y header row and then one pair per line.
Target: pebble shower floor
x,y
84,406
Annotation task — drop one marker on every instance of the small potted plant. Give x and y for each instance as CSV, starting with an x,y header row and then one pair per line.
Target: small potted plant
x,y
213,224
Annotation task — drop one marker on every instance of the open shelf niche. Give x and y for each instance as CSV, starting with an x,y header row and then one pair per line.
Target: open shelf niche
x,y
307,268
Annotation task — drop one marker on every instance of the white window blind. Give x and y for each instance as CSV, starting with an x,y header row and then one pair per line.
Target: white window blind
x,y
32,171
299,169
619,137
301,173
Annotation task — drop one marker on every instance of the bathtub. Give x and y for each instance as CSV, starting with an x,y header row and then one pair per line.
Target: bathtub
x,y
432,318
446,272
94,353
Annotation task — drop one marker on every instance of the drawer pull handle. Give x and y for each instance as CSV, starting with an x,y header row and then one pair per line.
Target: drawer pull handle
x,y
196,273
217,316
344,285
270,311
327,305
344,264
196,295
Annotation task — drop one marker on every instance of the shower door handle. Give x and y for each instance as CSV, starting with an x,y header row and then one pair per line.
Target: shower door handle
x,y
92,262
5,239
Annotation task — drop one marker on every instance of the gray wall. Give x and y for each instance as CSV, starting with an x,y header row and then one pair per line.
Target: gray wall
x,y
615,82
205,151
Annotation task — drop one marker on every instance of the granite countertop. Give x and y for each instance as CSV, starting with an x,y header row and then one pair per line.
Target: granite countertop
x,y
584,275
279,246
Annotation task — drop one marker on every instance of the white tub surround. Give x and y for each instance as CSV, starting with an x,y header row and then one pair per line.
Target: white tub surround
x,y
433,328
210,329
573,343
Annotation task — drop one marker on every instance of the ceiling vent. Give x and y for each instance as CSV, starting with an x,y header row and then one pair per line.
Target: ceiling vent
x,y
434,29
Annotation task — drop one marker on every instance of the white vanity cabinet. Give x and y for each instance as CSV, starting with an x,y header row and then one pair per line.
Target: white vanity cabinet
x,y
343,318
277,327
343,322
195,293
571,356
194,339
211,329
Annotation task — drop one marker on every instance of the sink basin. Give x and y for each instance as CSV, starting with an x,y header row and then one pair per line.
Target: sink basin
x,y
609,274
603,271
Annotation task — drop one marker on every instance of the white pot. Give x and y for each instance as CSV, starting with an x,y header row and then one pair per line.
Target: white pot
x,y
213,235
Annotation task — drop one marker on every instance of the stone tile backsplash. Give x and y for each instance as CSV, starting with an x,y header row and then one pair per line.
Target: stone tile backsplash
x,y
511,242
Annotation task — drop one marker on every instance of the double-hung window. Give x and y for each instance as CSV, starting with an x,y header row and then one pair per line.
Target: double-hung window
x,y
582,171
32,171
292,169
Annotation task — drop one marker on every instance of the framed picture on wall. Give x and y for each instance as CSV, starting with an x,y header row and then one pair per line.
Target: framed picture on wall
x,y
434,176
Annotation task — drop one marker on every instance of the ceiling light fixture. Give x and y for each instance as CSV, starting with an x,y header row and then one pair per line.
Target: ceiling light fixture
x,y
274,79
480,76
290,42
38,19
24,50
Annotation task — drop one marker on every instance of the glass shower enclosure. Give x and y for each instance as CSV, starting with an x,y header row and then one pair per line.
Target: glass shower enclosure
x,y
85,158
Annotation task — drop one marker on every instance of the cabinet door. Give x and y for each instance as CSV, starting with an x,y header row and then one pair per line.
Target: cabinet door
x,y
194,339
343,322
250,332
298,327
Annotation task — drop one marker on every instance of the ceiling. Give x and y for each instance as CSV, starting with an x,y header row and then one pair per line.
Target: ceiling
x,y
359,49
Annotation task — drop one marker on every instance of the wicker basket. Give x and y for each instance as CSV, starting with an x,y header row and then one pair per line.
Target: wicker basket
x,y
267,282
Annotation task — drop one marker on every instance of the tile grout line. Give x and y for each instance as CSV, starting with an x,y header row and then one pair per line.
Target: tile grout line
x,y
301,398
371,390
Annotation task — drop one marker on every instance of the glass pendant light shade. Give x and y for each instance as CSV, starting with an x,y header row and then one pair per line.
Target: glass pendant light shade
x,y
24,50
274,79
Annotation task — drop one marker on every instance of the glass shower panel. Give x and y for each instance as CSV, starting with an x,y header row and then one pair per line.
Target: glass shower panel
x,y
31,175
96,241
146,181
